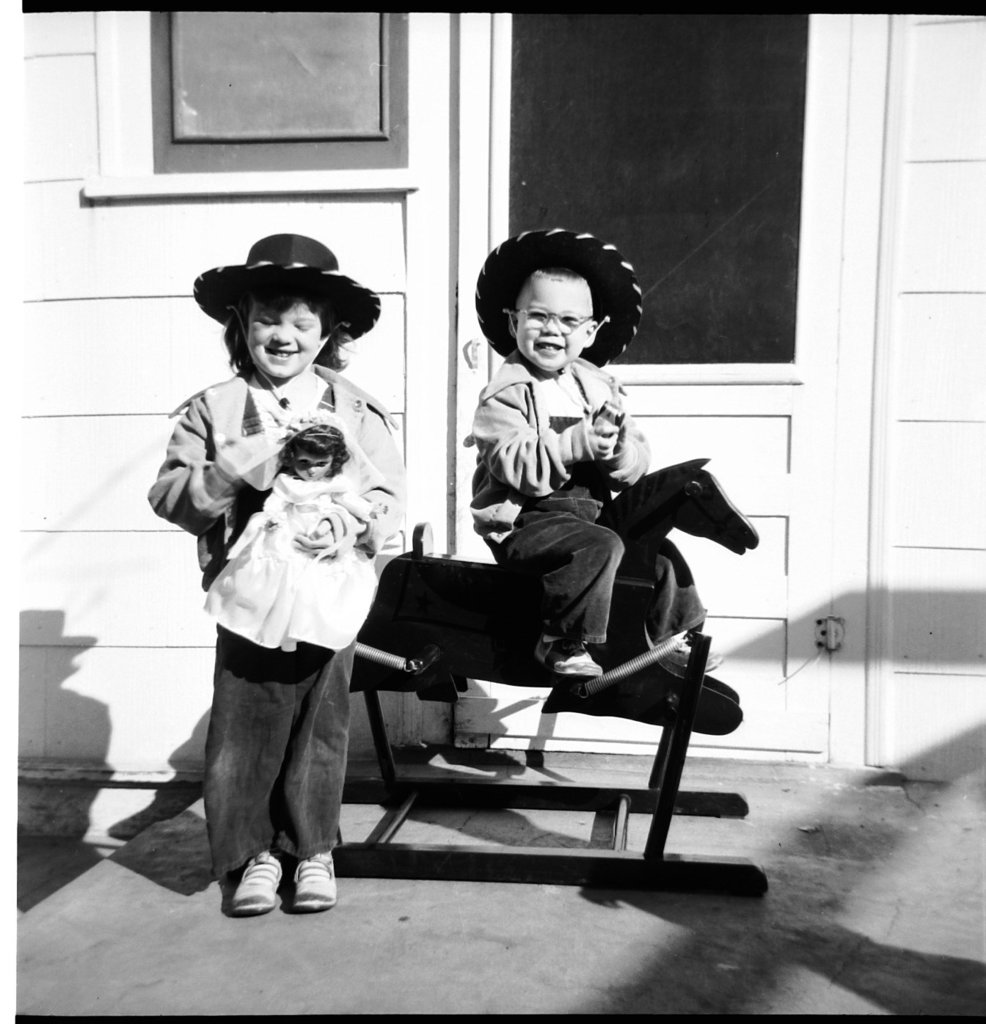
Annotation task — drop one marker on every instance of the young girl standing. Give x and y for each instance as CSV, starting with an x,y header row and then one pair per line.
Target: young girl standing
x,y
276,748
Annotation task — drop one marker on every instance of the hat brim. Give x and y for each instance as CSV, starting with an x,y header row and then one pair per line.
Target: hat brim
x,y
615,291
218,290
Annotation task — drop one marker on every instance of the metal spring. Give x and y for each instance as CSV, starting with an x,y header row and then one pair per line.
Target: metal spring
x,y
593,686
394,661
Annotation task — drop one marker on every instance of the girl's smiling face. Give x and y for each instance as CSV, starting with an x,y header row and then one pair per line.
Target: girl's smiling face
x,y
282,345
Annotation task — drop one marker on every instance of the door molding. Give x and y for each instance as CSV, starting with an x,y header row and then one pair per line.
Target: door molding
x,y
829,384
483,89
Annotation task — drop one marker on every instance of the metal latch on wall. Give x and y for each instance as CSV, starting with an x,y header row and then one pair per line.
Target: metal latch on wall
x,y
830,632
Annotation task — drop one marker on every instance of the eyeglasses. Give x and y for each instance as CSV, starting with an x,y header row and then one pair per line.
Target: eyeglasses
x,y
538,319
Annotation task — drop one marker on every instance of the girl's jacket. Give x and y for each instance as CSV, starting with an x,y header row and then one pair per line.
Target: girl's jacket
x,y
193,492
522,453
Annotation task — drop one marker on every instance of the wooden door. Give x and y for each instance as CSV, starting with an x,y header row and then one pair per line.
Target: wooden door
x,y
681,139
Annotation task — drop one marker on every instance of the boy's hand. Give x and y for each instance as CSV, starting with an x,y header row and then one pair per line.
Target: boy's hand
x,y
609,413
602,439
604,432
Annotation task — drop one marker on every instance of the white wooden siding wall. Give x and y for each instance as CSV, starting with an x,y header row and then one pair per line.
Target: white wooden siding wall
x,y
116,656
931,715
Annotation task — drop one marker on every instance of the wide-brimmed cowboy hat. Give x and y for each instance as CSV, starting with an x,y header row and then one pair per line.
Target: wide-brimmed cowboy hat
x,y
292,264
612,281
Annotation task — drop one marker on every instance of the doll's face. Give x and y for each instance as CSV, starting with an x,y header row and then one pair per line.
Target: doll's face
x,y
310,467
553,322
282,345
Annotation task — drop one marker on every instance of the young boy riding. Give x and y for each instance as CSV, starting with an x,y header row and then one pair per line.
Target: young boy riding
x,y
555,442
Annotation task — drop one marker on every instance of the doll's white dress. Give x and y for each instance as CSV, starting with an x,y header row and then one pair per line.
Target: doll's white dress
x,y
276,595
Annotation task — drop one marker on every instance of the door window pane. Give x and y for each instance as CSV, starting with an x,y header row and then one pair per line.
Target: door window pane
x,y
678,138
261,90
262,75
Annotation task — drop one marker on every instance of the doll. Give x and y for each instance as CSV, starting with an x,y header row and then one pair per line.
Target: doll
x,y
271,592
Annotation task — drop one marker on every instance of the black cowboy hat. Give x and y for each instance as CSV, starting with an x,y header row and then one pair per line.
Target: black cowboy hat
x,y
295,264
615,292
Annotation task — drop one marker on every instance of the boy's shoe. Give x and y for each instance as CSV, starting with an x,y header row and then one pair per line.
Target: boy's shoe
x,y
315,884
566,657
257,891
675,661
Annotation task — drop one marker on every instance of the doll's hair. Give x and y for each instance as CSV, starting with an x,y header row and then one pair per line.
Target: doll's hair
x,y
323,441
235,331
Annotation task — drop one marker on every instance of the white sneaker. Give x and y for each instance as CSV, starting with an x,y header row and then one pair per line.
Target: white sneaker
x,y
315,884
566,657
257,891
676,660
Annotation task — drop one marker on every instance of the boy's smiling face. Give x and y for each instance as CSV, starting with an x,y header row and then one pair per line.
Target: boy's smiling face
x,y
283,344
547,346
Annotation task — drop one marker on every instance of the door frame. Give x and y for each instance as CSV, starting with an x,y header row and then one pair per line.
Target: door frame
x,y
851,80
483,144
831,381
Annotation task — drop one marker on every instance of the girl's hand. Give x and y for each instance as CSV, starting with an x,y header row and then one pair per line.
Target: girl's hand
x,y
252,459
336,534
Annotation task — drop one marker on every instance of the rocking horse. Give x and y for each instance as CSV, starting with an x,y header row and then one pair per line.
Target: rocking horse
x,y
438,620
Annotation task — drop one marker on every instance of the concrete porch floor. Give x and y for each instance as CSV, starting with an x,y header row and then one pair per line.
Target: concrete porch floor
x,y
875,906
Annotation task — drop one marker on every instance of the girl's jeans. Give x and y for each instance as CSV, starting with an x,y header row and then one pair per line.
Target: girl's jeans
x,y
562,538
276,749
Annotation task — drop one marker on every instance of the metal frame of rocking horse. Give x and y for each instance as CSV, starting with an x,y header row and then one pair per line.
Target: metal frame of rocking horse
x,y
378,856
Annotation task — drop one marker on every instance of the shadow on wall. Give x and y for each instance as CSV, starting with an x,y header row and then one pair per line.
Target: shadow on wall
x,y
945,628
57,723
172,797
180,860
49,712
